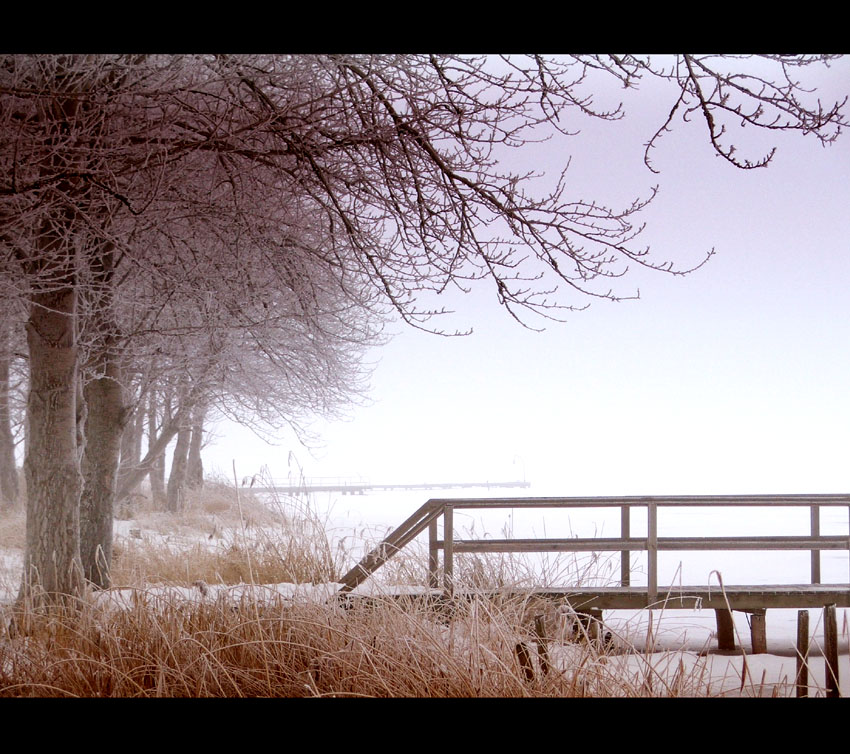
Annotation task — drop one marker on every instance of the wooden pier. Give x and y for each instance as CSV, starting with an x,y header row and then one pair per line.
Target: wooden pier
x,y
723,598
359,487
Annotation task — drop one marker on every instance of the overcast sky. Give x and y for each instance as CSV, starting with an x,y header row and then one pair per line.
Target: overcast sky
x,y
733,379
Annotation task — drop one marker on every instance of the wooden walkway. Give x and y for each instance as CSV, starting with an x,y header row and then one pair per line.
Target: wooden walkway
x,y
593,600
744,598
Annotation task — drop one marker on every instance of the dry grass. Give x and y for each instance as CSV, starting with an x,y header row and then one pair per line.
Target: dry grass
x,y
264,559
280,649
179,645
211,642
225,537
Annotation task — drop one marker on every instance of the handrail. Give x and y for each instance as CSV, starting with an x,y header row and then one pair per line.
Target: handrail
x,y
427,517
642,500
393,543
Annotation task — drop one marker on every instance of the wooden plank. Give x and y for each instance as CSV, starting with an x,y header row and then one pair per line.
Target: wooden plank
x,y
753,543
676,501
571,544
691,597
605,544
634,598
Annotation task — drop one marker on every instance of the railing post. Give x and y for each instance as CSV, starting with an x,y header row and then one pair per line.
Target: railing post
x,y
652,551
433,556
448,548
625,533
830,637
815,512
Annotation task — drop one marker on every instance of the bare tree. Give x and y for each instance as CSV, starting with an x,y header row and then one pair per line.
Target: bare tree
x,y
10,380
194,462
156,464
378,173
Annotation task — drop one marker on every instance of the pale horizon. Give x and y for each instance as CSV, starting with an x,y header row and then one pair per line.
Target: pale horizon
x,y
729,380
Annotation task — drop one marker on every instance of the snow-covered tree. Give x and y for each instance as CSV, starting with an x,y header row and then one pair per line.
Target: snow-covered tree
x,y
374,178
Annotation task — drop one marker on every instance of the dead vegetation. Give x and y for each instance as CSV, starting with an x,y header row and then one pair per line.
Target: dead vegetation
x,y
193,613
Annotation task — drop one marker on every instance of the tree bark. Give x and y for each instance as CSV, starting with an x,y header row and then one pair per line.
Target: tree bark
x,y
103,397
131,442
177,478
147,464
106,419
195,465
157,472
56,412
51,467
157,481
8,470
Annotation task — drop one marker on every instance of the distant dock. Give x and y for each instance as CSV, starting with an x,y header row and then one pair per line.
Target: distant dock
x,y
360,487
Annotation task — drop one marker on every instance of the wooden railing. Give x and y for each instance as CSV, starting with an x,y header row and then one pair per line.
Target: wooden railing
x,y
429,515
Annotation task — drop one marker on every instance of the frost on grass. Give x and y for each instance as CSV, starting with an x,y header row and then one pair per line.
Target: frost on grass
x,y
227,600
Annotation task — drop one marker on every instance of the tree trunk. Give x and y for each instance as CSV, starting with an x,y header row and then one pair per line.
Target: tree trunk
x,y
8,470
195,466
146,465
177,478
51,466
131,443
106,419
157,481
157,471
172,425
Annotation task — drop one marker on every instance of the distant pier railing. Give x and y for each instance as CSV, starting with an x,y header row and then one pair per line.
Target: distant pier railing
x,y
361,487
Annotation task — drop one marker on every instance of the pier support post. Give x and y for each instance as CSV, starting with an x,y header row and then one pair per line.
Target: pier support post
x,y
591,624
594,625
830,630
758,630
802,653
542,644
725,629
524,658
